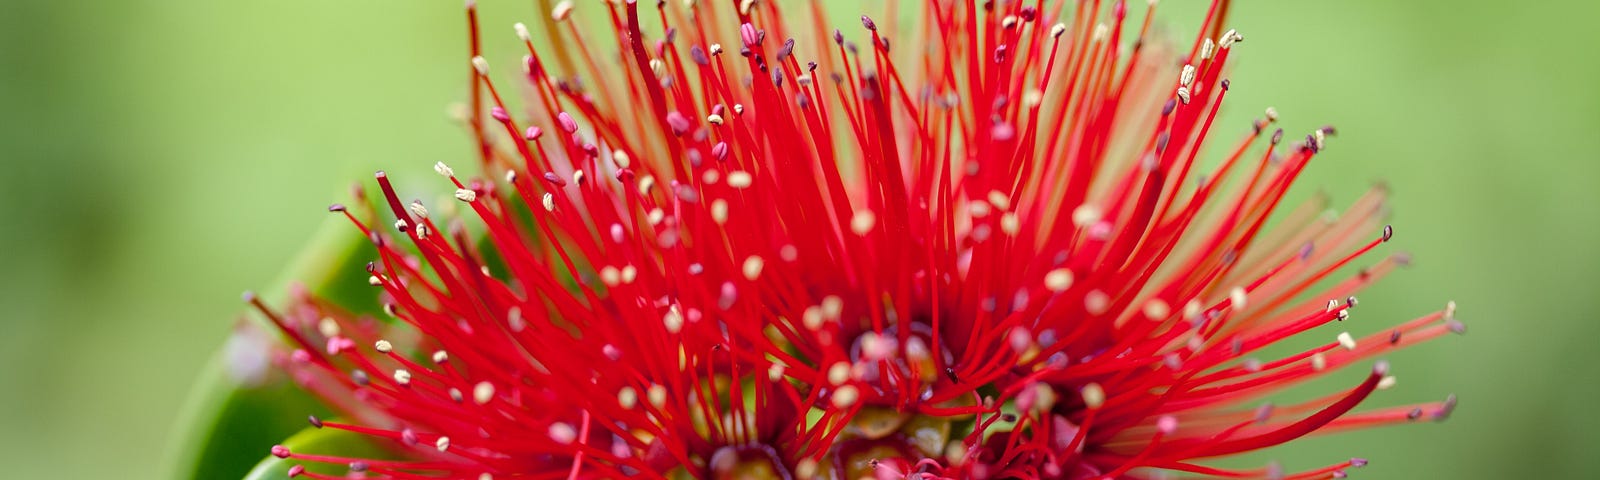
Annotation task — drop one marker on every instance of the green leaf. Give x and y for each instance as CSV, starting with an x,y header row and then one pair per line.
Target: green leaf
x,y
230,425
227,424
322,441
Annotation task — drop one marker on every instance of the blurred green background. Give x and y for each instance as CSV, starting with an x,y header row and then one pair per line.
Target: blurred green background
x,y
162,156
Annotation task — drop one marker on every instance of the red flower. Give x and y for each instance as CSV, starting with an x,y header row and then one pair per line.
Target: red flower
x,y
991,256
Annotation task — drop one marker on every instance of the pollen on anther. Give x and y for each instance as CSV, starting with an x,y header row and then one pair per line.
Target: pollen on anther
x,y
1156,309
443,443
862,222
481,65
1238,298
1387,382
562,433
739,179
1058,280
443,170
1093,395
383,346
561,11
1347,341
673,319
657,395
752,267
402,377
466,195
627,398
482,393
839,373
846,396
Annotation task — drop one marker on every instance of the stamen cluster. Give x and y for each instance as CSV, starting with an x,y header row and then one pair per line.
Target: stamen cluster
x,y
745,247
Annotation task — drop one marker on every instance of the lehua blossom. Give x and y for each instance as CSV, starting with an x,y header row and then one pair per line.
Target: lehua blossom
x,y
743,246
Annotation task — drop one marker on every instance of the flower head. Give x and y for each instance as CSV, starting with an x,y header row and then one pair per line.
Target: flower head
x,y
747,247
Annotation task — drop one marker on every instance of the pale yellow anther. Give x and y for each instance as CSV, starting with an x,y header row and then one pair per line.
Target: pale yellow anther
x,y
752,267
1237,296
1010,224
1085,215
621,158
1229,38
673,319
812,318
979,209
1157,309
999,200
657,395
627,398
719,211
1032,98
862,222
482,393
562,433
646,183
658,67
1347,341
328,327
846,396
832,307
1096,302
1058,280
740,179
561,11
610,276
481,65
1093,395
839,373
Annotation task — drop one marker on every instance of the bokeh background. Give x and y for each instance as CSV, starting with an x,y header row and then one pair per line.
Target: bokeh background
x,y
159,157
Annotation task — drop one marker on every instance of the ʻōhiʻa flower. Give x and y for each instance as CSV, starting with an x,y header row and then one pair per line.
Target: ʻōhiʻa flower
x,y
748,248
